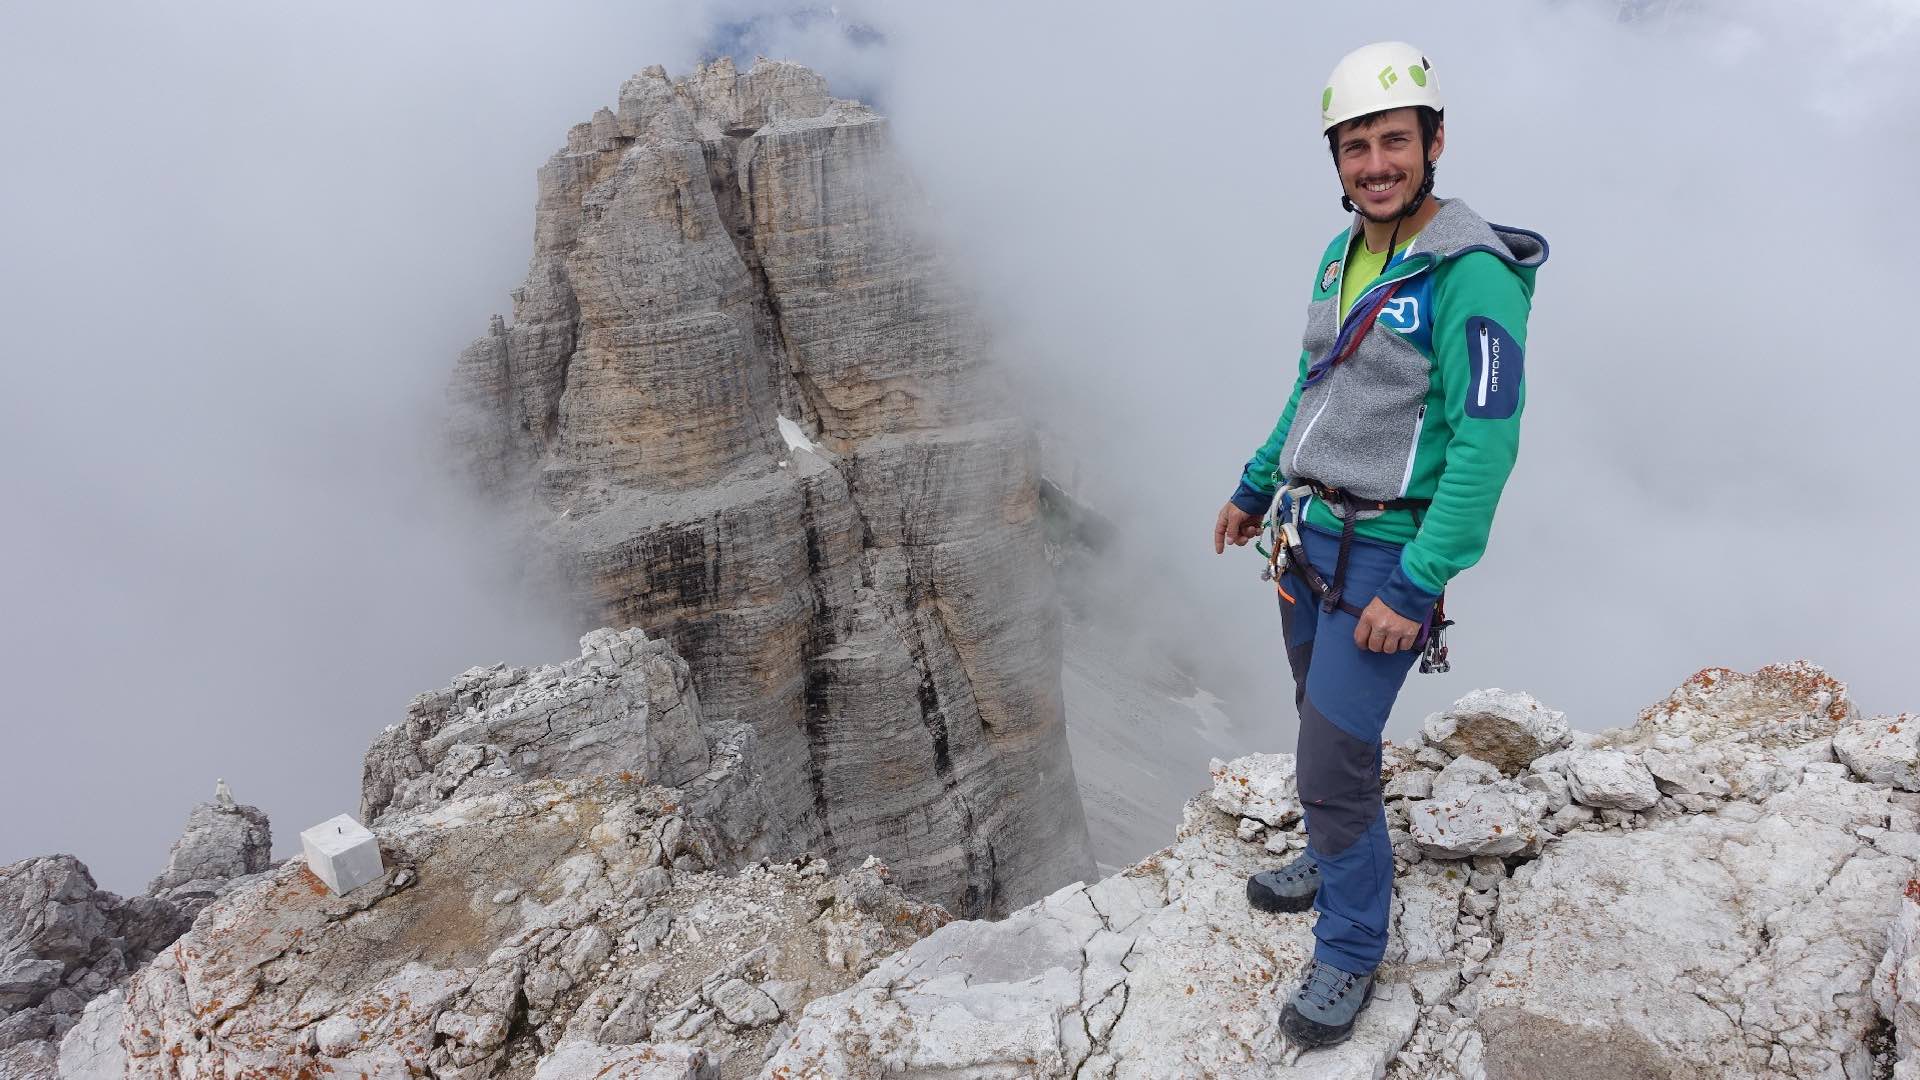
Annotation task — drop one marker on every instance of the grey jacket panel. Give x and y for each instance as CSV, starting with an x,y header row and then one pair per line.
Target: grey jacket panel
x,y
1356,428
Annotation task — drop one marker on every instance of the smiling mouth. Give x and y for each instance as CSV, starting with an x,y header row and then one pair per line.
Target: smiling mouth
x,y
1378,187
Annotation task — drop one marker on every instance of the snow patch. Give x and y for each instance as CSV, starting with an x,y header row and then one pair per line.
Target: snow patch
x,y
1213,722
796,438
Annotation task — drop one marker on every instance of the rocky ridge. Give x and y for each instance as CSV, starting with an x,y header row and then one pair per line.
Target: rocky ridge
x,y
576,884
1755,916
750,411
1718,908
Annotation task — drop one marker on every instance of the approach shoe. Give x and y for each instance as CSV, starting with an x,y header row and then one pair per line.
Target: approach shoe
x,y
1321,1012
1290,888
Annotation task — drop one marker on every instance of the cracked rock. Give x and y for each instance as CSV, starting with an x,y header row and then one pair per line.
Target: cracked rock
x,y
1494,819
1610,779
1462,773
1883,750
1504,728
1257,786
743,1005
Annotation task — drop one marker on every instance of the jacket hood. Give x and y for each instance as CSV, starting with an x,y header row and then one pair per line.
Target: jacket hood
x,y
1456,230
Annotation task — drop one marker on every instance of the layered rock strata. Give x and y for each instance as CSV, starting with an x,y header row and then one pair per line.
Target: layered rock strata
x,y
742,400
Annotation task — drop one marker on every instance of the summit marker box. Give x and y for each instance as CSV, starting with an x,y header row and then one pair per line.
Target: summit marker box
x,y
343,853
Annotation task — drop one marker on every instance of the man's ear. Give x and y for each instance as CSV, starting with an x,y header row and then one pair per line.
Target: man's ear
x,y
1439,141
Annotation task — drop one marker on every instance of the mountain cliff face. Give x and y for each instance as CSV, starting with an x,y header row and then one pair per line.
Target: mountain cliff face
x,y
745,405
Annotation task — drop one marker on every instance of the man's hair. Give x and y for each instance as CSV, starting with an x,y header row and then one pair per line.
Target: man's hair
x,y
1429,126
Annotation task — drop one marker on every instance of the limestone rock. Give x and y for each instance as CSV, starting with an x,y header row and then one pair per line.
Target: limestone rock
x,y
91,1049
1703,945
1610,778
35,1060
1463,772
1490,819
1507,729
223,841
1160,971
62,942
1675,774
1780,705
550,927
1551,785
1896,982
664,1061
1426,907
1410,784
1257,786
1883,750
1736,944
624,706
719,253
614,925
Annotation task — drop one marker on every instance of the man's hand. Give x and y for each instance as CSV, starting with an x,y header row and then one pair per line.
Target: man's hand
x,y
1382,630
1233,524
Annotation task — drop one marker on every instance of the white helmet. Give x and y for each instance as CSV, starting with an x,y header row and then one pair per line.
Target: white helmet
x,y
1374,78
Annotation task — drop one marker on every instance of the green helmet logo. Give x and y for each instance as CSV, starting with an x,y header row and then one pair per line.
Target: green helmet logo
x,y
1326,99
1419,75
1387,78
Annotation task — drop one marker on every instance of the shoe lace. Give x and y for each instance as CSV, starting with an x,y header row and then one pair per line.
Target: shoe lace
x,y
1326,984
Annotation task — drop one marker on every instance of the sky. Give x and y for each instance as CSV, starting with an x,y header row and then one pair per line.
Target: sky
x,y
242,245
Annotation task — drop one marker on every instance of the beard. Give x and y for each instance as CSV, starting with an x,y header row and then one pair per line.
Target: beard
x,y
1407,206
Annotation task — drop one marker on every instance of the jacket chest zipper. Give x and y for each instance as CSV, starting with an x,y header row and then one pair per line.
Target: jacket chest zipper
x,y
1413,449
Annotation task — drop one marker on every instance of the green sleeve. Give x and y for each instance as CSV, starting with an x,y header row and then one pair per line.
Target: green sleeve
x,y
1260,471
1483,401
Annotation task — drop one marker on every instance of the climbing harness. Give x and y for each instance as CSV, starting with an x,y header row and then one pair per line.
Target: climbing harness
x,y
1288,553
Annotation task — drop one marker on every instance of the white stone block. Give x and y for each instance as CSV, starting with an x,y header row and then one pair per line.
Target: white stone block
x,y
342,853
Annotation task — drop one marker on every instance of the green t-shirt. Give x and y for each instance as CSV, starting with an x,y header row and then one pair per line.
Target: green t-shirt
x,y
1362,267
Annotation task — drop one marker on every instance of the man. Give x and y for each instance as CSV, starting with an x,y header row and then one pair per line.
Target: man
x,y
1392,451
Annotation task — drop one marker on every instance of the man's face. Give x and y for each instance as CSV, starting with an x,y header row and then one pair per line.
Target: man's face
x,y
1379,159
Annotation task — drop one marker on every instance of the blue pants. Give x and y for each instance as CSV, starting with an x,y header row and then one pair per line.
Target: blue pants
x,y
1344,694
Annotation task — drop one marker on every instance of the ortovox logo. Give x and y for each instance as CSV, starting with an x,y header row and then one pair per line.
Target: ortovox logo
x,y
1388,78
1499,364
1330,275
1401,313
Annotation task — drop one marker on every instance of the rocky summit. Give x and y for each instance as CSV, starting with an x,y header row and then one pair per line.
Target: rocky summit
x,y
746,408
